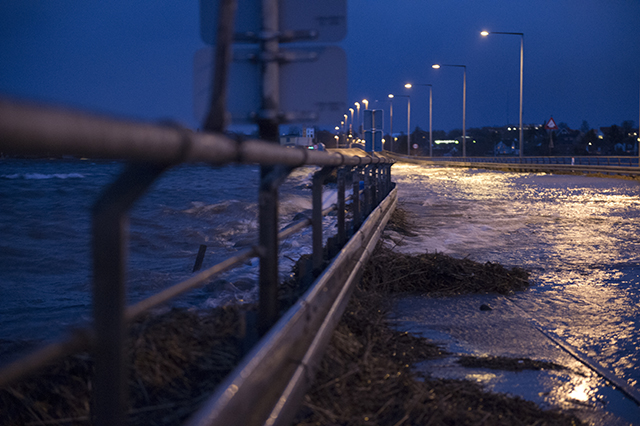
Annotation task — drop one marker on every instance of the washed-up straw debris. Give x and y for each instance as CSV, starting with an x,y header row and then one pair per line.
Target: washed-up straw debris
x,y
506,364
177,359
366,376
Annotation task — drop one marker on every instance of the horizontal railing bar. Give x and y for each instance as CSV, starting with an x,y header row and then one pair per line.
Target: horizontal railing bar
x,y
36,130
79,341
301,224
566,168
144,305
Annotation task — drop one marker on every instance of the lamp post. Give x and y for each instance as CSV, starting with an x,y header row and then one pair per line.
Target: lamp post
x,y
486,33
366,103
464,103
357,104
408,86
345,129
391,118
408,122
351,125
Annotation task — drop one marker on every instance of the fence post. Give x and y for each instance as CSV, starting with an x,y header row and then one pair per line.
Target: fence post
x,y
342,233
268,220
110,226
356,198
366,209
316,216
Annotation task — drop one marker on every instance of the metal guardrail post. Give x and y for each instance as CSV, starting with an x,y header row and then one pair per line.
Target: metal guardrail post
x,y
355,203
374,185
268,243
366,208
342,231
316,215
387,169
109,265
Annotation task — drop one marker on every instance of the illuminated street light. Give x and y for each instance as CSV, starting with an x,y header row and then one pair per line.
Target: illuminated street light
x,y
464,103
391,116
357,104
366,103
351,125
486,33
408,86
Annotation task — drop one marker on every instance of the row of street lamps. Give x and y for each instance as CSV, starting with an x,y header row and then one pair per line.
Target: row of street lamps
x,y
464,102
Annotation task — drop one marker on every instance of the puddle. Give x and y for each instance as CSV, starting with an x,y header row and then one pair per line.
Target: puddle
x,y
462,328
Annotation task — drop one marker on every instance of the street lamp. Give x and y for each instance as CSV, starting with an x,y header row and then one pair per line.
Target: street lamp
x,y
366,103
408,86
464,103
357,104
351,125
408,121
391,119
486,33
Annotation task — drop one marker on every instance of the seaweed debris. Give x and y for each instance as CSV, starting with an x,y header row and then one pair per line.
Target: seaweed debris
x,y
506,363
366,375
439,274
400,222
176,360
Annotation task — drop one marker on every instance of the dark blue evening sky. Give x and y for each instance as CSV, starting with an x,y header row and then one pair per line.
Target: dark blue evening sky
x,y
134,58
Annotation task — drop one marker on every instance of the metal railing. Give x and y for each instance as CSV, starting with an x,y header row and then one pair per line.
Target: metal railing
x,y
563,159
152,149
609,166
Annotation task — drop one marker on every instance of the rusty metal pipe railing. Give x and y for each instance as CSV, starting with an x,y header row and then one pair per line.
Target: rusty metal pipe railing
x,y
32,129
28,129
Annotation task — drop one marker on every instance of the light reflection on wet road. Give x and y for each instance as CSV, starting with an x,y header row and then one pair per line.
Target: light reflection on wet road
x,y
579,236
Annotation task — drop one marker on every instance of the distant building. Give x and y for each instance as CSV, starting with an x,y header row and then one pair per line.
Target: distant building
x,y
304,138
310,132
508,148
296,141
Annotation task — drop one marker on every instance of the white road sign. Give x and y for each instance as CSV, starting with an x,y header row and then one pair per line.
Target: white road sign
x,y
328,18
315,88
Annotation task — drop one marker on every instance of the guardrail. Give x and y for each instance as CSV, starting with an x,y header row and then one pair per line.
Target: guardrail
x,y
567,165
304,329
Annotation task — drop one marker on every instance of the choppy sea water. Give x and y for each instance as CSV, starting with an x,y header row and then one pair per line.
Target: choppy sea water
x,y
578,236
45,252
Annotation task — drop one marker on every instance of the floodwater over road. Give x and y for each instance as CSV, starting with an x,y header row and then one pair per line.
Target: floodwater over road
x,y
578,236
